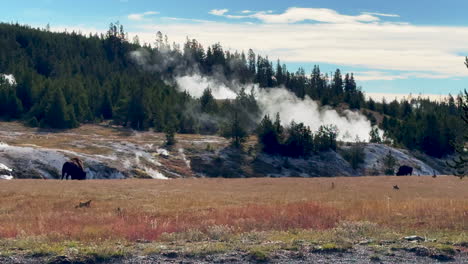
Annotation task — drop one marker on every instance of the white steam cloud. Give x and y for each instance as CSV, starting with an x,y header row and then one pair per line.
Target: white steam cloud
x,y
351,125
196,84
10,78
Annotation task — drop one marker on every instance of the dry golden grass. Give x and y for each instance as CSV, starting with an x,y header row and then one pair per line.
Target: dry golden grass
x,y
94,139
146,209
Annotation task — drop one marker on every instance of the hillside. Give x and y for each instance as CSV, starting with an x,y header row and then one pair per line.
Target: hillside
x,y
111,152
63,80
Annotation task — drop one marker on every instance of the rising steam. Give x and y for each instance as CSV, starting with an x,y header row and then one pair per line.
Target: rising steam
x,y
352,126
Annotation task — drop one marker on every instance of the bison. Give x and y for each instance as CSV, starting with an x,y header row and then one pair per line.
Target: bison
x,y
405,170
73,168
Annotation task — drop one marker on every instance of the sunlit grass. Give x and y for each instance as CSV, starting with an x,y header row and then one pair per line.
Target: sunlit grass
x,y
146,209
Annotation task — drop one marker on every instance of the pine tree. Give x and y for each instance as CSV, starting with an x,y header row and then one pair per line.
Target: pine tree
x,y
389,164
252,63
374,135
170,131
24,91
337,85
138,112
207,102
269,135
106,106
56,115
460,163
236,132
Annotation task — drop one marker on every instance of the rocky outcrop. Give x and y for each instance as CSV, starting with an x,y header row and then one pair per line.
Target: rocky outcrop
x,y
116,153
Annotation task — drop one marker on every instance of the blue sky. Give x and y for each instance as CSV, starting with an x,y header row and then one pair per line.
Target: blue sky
x,y
393,47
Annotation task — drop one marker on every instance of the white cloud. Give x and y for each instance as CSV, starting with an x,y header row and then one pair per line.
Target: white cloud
x,y
382,47
297,14
399,96
141,16
430,50
385,76
219,12
381,14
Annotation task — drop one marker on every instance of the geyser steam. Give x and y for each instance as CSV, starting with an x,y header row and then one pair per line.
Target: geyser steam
x,y
352,126
196,84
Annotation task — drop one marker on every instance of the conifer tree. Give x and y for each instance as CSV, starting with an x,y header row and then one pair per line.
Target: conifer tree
x,y
106,106
236,132
460,163
56,115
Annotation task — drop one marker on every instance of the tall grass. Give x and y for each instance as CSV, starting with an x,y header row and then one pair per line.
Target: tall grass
x,y
147,209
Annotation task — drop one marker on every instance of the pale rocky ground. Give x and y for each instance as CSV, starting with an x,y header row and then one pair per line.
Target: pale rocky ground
x,y
115,153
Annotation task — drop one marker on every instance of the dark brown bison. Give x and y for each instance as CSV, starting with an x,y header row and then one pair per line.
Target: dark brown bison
x,y
405,170
73,168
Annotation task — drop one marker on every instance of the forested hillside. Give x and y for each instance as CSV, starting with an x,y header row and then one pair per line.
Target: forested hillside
x,y
65,79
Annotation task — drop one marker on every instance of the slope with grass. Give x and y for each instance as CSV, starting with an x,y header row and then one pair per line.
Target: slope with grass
x,y
112,152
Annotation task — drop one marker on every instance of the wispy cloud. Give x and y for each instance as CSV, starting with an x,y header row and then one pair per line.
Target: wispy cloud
x,y
389,76
219,12
400,96
391,50
297,14
141,16
381,14
432,50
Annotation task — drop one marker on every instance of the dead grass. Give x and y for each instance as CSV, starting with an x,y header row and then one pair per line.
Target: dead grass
x,y
146,209
94,138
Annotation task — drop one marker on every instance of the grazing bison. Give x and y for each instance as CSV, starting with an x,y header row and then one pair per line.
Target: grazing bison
x,y
73,168
405,170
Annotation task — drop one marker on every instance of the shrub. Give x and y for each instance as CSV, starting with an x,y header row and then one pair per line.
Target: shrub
x,y
354,155
325,138
389,164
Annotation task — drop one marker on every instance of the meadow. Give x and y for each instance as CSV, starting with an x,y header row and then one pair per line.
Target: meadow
x,y
342,210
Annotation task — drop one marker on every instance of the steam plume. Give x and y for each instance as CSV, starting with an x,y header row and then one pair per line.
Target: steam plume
x,y
351,125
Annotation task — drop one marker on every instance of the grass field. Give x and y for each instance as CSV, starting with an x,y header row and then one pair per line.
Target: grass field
x,y
318,210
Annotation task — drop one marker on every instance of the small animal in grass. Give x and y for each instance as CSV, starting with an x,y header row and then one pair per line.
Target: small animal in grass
x,y
395,187
84,204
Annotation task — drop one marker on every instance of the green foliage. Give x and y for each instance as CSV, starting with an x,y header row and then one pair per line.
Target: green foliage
x,y
296,140
375,136
235,131
58,114
33,122
106,106
269,135
170,131
99,76
207,102
325,138
299,142
354,155
170,136
460,163
389,164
